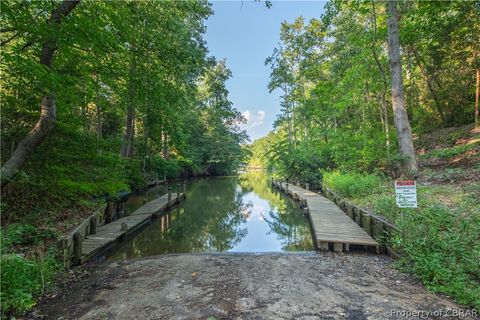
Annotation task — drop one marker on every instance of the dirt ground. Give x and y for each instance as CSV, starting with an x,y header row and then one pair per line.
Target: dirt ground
x,y
246,286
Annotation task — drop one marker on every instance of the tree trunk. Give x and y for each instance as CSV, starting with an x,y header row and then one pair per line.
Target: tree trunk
x,y
126,148
165,146
99,114
477,94
383,101
48,112
402,124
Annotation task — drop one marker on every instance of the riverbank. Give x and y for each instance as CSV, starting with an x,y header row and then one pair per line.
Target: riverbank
x,y
243,286
440,238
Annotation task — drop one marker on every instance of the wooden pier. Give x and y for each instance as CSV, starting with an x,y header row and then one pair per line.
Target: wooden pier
x,y
103,238
330,224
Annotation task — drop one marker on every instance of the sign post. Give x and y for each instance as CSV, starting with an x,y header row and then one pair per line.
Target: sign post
x,y
406,192
406,197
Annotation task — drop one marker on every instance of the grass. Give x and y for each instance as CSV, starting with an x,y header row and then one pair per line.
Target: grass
x,y
25,276
447,153
440,239
351,185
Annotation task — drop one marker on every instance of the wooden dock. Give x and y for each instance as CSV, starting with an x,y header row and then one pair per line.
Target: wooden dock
x,y
106,236
330,224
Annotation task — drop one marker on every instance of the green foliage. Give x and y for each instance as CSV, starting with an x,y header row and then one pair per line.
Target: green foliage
x,y
441,247
146,61
333,76
23,234
23,279
352,185
137,76
439,244
446,153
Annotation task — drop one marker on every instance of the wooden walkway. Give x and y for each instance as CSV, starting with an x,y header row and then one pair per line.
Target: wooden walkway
x,y
109,234
330,224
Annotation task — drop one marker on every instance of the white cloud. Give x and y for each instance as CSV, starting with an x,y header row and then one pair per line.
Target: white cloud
x,y
253,121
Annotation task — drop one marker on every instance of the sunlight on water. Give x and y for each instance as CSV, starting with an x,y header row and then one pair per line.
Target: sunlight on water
x,y
234,214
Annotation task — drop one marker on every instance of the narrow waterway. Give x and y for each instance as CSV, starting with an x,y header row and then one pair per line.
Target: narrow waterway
x,y
232,214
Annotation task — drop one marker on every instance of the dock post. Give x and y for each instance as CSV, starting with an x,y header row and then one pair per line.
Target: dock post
x,y
367,224
179,190
286,187
93,225
121,209
338,247
169,196
77,248
307,186
124,229
109,212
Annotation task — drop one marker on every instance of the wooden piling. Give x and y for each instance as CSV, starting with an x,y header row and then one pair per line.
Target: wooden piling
x,y
350,212
93,225
109,212
323,245
377,229
358,216
77,247
338,247
124,229
367,223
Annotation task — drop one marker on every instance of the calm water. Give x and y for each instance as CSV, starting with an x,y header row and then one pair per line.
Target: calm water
x,y
234,214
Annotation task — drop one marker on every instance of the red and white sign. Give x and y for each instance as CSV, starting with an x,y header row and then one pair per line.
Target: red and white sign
x,y
406,191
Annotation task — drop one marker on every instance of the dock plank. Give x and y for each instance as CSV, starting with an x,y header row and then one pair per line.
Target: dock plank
x,y
111,233
330,224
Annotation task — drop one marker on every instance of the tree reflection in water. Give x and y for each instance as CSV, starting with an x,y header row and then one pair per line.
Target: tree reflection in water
x,y
224,214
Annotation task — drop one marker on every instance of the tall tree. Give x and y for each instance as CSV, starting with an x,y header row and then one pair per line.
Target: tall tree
x,y
48,108
477,98
402,123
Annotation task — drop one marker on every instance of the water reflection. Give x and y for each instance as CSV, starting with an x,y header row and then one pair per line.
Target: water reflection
x,y
240,214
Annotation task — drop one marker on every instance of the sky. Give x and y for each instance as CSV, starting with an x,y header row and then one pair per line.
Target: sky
x,y
245,34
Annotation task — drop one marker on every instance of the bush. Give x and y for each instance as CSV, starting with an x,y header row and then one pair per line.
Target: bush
x,y
439,244
447,153
352,185
24,279
23,234
442,249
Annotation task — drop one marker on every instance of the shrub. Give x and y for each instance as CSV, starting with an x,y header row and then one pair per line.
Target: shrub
x,y
441,248
447,153
352,185
23,279
23,234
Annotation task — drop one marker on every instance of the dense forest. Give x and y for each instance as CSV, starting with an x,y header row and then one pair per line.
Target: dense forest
x,y
335,76
99,98
373,91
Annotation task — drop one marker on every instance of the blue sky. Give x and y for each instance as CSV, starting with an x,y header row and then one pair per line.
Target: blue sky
x,y
245,34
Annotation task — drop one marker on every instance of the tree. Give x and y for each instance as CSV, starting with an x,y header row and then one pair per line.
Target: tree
x,y
477,98
48,107
402,123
